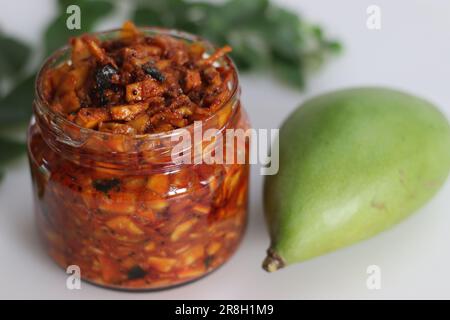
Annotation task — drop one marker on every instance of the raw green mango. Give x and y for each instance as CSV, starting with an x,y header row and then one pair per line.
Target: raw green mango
x,y
352,164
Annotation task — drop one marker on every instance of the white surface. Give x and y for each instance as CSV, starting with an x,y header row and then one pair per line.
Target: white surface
x,y
411,51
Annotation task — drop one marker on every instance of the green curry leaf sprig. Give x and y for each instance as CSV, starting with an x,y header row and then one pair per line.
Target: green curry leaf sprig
x,y
263,35
14,55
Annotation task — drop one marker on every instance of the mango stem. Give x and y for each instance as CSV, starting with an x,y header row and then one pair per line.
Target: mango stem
x,y
273,261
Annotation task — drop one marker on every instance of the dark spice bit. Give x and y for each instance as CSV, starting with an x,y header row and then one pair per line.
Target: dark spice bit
x,y
208,260
105,185
153,72
103,79
103,76
102,98
136,272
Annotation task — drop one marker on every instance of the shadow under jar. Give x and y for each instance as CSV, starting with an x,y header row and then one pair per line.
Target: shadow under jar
x,y
122,209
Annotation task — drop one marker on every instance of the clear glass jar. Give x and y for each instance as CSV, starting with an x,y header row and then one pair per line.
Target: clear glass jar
x,y
121,209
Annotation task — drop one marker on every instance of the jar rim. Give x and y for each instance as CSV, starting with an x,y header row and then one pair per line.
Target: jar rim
x,y
43,105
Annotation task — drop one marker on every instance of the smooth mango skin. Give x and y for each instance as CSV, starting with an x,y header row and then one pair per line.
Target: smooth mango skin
x,y
352,164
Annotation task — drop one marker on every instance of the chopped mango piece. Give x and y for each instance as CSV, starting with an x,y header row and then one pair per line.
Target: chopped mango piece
x,y
110,270
158,183
143,90
201,208
91,117
192,272
150,246
213,248
193,254
192,80
118,128
161,264
140,123
181,229
127,112
118,202
124,224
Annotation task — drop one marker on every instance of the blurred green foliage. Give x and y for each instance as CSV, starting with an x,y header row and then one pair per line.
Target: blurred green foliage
x,y
263,35
57,34
13,57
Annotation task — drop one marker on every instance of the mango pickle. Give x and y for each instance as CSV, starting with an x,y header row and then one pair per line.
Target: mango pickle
x,y
108,195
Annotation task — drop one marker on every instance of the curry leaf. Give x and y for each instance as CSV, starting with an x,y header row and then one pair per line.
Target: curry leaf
x,y
250,49
10,150
14,55
285,36
15,107
290,71
261,33
241,12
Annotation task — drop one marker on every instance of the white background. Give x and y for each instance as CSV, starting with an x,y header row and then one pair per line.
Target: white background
x,y
411,52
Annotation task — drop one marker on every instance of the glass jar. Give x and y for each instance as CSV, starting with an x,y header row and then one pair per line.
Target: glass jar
x,y
121,209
